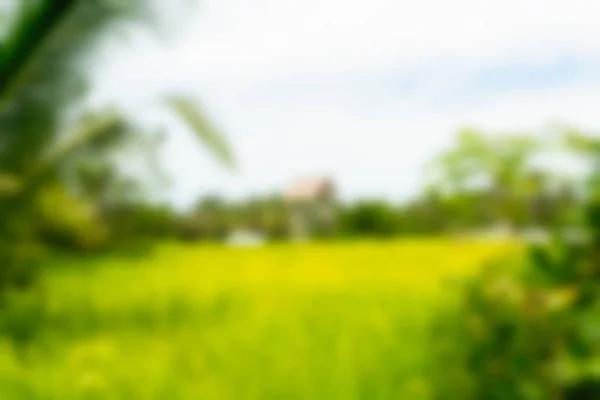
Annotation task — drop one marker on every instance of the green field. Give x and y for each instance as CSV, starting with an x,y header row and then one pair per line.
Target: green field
x,y
309,321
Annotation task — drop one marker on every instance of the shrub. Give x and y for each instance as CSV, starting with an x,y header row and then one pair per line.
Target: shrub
x,y
370,218
529,333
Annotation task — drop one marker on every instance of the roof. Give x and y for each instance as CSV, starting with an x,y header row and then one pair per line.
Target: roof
x,y
308,189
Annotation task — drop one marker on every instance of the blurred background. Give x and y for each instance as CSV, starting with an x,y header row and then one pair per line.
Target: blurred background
x,y
313,200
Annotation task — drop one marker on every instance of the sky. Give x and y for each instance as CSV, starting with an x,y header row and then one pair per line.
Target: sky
x,y
364,92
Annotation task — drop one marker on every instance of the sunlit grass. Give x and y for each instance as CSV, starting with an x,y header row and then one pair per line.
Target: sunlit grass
x,y
327,320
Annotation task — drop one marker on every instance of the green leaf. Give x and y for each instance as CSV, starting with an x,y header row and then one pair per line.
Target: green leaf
x,y
89,131
195,118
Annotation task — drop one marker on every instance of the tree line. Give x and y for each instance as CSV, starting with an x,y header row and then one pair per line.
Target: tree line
x,y
480,181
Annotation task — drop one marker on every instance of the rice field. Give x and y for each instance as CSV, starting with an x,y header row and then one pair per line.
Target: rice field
x,y
306,321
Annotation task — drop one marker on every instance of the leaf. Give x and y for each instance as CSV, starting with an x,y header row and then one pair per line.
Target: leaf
x,y
89,131
191,114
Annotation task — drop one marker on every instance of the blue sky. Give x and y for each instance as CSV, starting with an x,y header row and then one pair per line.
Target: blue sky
x,y
363,91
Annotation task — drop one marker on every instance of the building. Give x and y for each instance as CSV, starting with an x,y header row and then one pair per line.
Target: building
x,y
312,207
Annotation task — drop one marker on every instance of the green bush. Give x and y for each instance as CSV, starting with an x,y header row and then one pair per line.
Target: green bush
x,y
531,332
370,218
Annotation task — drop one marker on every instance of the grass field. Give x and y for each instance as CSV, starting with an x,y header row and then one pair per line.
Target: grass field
x,y
310,321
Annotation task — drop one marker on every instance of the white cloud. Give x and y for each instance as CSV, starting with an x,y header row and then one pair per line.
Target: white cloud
x,y
345,34
236,40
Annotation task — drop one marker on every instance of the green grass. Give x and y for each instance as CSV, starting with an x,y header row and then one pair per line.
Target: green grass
x,y
314,321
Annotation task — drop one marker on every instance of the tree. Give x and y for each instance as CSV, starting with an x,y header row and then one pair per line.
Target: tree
x,y
497,165
527,328
42,77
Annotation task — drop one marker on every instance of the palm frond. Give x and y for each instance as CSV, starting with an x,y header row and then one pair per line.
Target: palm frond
x,y
35,21
49,33
194,117
42,71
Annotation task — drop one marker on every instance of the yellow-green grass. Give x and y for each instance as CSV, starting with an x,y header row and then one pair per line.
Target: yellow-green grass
x,y
306,321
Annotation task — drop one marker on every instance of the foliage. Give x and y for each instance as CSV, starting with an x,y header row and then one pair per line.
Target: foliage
x,y
531,332
370,218
497,166
497,161
46,135
527,334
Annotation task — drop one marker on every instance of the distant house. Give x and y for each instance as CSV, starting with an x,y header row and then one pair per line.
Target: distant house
x,y
312,207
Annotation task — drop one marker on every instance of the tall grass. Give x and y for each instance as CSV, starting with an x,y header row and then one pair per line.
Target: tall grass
x,y
311,321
